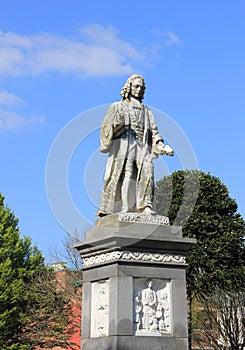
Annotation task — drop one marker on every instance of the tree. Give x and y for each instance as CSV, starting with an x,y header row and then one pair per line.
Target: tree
x,y
36,304
218,256
221,321
19,262
52,312
68,259
68,254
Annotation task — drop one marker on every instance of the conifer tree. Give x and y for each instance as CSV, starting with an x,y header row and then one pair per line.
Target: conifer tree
x,y
19,261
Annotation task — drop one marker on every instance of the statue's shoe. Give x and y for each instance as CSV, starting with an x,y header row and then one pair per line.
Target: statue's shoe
x,y
148,211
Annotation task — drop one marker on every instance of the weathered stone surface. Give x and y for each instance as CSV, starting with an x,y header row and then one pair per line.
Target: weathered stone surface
x,y
124,256
114,240
135,343
130,218
152,307
130,136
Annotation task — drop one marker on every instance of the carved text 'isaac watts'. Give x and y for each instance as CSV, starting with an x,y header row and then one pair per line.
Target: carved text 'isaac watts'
x,y
130,136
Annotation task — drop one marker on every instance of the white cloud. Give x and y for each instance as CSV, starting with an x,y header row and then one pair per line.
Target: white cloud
x,y
170,38
10,120
10,100
12,40
98,51
109,37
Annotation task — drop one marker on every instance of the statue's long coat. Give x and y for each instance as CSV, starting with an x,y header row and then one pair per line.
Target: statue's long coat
x,y
113,140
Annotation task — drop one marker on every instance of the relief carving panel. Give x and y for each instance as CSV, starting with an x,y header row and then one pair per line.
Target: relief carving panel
x,y
152,307
99,308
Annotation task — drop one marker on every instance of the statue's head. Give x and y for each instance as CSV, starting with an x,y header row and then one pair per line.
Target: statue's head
x,y
134,86
149,283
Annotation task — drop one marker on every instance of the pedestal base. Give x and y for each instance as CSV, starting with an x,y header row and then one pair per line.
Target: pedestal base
x,y
134,295
135,343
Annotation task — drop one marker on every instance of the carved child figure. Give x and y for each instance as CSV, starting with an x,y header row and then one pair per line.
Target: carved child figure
x,y
138,311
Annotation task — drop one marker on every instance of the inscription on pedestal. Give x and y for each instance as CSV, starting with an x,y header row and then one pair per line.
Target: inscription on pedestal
x,y
99,308
144,219
152,307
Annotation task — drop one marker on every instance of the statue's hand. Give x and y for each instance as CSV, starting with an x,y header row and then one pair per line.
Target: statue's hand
x,y
164,149
169,151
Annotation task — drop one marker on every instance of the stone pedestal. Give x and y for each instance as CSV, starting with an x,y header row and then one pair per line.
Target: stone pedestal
x,y
134,287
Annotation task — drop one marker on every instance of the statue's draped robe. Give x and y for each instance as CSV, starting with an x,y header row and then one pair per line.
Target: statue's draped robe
x,y
115,141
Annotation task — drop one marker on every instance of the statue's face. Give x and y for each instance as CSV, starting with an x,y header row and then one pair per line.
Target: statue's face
x,y
150,284
137,89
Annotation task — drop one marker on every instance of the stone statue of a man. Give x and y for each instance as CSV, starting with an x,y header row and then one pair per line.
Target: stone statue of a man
x,y
149,301
130,136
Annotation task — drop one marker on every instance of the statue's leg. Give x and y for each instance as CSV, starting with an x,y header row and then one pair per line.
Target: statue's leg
x,y
145,184
127,201
146,318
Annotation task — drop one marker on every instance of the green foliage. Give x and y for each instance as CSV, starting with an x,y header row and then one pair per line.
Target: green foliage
x,y
35,306
218,256
19,261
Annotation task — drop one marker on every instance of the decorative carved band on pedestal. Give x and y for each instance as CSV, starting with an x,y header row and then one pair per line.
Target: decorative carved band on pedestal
x,y
133,256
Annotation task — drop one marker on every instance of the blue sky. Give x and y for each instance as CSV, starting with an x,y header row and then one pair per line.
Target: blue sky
x,y
61,62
